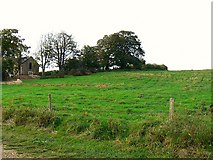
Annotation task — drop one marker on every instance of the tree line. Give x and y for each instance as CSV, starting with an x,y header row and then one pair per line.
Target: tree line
x,y
121,50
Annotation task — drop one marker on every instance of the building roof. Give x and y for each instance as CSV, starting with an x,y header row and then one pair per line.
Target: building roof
x,y
24,59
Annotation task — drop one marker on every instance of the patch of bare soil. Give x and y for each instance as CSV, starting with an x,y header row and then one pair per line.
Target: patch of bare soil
x,y
10,153
102,86
18,81
58,85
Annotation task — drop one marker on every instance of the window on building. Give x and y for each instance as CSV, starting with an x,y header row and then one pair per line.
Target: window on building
x,y
30,66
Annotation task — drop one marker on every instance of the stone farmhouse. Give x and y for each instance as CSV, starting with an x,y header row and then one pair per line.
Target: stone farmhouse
x,y
29,66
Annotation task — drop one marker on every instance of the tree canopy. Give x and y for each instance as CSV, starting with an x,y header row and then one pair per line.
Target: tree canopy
x,y
89,57
122,49
12,49
63,47
56,48
44,53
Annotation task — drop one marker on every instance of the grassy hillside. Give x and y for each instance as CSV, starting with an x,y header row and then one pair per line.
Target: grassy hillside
x,y
110,114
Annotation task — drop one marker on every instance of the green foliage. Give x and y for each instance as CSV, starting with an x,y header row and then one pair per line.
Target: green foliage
x,y
27,116
52,74
77,125
122,49
109,130
12,48
7,113
72,63
155,67
90,58
187,136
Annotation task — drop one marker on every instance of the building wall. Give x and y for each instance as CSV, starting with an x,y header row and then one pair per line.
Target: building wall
x,y
25,67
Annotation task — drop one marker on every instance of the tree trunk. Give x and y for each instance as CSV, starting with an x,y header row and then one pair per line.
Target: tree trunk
x,y
43,71
19,64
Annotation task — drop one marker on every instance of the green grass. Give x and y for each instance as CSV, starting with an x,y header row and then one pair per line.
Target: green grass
x,y
109,114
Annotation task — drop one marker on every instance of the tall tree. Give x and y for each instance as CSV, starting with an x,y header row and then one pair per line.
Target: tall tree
x,y
12,48
122,49
105,52
63,47
89,57
45,53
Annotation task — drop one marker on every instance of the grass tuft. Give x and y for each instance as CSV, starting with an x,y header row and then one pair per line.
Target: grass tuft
x,y
187,136
30,116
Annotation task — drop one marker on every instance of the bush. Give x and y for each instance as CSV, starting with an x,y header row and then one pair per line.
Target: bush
x,y
79,72
155,67
53,74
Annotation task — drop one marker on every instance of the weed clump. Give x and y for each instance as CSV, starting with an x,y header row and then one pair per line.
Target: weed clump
x,y
77,125
187,136
7,113
94,128
28,116
110,130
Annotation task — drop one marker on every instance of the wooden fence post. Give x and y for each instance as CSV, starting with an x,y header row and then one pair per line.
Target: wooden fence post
x,y
50,102
171,109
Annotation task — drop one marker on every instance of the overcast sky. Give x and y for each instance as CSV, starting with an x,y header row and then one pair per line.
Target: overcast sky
x,y
176,33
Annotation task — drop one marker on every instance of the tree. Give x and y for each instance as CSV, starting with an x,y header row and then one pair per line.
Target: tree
x,y
105,52
45,53
63,47
72,63
122,49
12,49
89,57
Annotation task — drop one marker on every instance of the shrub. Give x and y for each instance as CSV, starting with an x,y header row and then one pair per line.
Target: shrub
x,y
79,72
53,74
154,67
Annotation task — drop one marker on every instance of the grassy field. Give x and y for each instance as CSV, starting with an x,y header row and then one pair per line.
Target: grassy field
x,y
110,114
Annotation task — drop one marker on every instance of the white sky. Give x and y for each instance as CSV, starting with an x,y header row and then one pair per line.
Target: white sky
x,y
176,33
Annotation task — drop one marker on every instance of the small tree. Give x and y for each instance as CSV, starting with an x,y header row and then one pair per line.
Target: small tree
x,y
45,53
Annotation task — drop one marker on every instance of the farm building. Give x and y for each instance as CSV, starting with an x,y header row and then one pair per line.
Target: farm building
x,y
29,66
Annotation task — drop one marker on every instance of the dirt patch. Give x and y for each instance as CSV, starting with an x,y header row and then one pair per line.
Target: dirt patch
x,y
58,85
102,86
18,81
11,153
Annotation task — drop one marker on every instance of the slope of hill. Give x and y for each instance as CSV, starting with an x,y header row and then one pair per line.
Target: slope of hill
x,y
110,114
